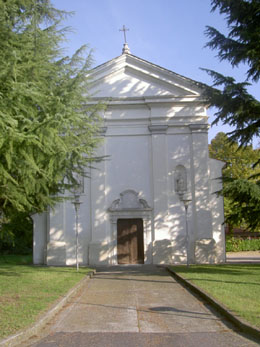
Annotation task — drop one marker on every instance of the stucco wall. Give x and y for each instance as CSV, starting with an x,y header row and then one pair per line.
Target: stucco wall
x,y
154,122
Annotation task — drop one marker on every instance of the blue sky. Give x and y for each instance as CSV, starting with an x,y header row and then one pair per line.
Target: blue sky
x,y
169,33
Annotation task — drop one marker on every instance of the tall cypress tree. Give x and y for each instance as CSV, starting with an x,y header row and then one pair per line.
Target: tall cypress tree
x,y
48,131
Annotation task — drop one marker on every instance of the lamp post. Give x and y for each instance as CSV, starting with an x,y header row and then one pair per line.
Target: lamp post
x,y
186,202
77,192
77,203
180,178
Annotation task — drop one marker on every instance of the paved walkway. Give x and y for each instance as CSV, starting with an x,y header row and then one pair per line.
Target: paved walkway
x,y
243,257
137,306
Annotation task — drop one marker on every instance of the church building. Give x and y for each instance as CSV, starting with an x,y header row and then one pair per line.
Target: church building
x,y
152,200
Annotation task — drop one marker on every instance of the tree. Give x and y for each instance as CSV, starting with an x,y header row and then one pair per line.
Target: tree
x,y
235,105
48,131
239,167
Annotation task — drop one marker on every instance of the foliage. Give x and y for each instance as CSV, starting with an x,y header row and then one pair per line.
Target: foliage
x,y
27,291
239,159
47,129
16,235
235,244
16,259
241,187
236,106
236,286
245,197
242,44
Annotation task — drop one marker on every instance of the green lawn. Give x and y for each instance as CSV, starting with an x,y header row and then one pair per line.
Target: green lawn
x,y
26,290
236,286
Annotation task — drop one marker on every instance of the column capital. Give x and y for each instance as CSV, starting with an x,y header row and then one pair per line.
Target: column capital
x,y
158,128
199,128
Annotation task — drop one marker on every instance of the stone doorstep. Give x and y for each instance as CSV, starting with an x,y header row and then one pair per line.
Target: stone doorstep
x,y
222,309
21,336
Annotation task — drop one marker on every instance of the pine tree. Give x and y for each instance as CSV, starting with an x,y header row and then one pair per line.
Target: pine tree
x,y
48,131
236,106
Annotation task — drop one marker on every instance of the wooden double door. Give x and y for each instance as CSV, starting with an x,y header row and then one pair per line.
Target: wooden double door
x,y
130,241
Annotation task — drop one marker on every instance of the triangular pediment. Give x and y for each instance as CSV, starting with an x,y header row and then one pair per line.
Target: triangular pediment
x,y
128,76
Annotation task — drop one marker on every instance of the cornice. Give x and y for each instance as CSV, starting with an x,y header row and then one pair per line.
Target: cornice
x,y
149,100
144,65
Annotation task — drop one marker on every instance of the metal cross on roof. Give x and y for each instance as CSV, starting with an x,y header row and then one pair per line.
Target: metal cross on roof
x,y
124,29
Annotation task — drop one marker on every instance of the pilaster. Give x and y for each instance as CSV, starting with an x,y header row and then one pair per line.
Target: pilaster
x,y
160,186
200,181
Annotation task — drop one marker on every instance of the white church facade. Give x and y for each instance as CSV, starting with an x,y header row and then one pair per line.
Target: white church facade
x,y
152,200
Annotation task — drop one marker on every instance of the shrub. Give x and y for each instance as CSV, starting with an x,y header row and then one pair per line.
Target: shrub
x,y
237,245
16,235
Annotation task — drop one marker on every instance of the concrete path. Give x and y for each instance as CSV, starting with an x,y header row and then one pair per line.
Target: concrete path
x,y
243,257
137,306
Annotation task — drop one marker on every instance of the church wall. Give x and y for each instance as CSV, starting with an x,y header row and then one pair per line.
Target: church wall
x,y
99,244
199,144
39,238
61,242
136,162
128,166
205,245
178,114
154,124
56,242
84,228
162,250
70,232
217,207
178,154
117,114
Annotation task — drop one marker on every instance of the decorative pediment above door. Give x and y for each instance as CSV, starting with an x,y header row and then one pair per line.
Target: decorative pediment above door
x,y
130,206
129,200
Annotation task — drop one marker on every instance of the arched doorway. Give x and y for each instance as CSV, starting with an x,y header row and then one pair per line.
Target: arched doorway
x,y
131,230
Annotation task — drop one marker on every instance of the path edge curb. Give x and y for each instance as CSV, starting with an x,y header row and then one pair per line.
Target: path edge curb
x,y
229,315
25,334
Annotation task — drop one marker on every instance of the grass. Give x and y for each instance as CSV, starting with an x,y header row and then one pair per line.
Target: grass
x,y
236,286
26,291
